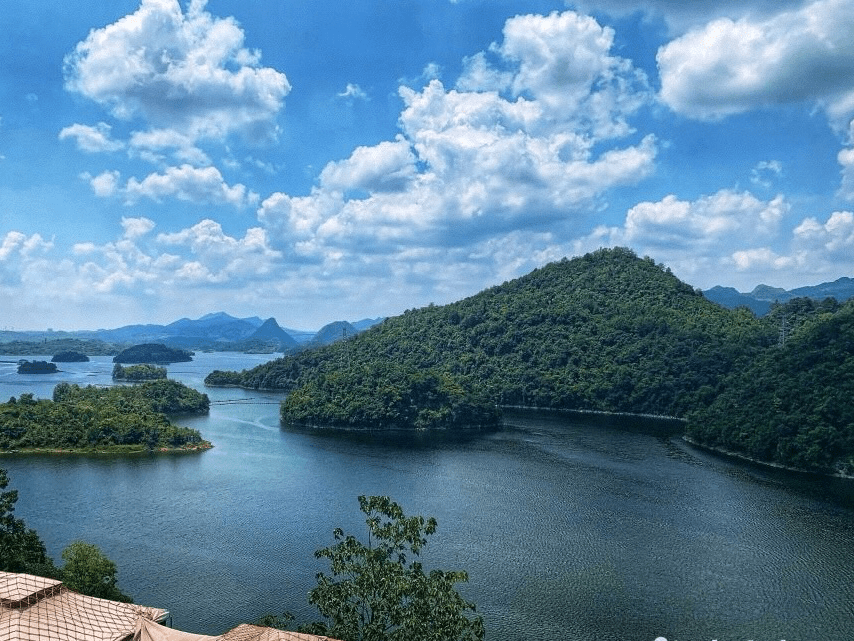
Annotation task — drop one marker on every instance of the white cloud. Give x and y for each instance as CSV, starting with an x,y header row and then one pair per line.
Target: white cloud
x,y
104,184
531,137
699,239
353,91
765,172
188,72
834,238
197,185
846,159
220,257
734,65
388,166
151,144
92,139
137,227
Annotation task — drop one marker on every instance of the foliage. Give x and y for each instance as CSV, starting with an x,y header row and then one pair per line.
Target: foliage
x,y
792,404
607,331
383,395
123,418
36,367
21,549
376,592
153,353
88,571
221,378
85,346
136,373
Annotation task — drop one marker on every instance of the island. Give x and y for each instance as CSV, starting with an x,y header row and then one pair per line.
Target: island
x,y
137,373
69,357
36,367
121,419
153,353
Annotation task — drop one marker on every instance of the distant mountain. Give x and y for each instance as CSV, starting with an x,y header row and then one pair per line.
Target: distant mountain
x,y
731,298
270,330
763,296
332,333
367,323
204,332
152,353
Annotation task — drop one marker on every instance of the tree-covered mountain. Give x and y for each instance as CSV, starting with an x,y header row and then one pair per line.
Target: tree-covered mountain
x,y
792,404
607,331
152,353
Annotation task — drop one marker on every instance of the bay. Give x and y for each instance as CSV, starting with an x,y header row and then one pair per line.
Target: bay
x,y
569,528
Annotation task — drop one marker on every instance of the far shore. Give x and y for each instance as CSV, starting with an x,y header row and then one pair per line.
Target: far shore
x,y
108,451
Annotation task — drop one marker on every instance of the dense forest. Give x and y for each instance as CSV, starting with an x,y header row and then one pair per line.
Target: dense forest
x,y
122,418
90,347
153,353
792,405
608,331
138,373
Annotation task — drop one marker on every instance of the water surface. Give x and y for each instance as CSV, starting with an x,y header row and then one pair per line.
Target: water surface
x,y
569,530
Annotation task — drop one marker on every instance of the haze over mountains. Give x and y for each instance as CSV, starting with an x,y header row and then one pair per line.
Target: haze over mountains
x,y
219,329
763,296
211,331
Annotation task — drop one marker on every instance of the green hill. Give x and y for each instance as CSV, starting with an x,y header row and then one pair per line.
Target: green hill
x,y
607,331
792,404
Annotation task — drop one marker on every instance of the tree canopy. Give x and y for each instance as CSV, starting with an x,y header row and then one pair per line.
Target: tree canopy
x,y
377,591
121,418
607,331
792,404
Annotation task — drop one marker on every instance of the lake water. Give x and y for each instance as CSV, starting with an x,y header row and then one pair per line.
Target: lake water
x,y
568,529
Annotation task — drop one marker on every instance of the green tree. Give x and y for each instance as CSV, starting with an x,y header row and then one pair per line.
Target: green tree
x,y
377,593
21,549
88,571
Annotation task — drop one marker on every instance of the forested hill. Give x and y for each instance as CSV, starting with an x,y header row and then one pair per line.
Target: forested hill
x,y
793,404
606,331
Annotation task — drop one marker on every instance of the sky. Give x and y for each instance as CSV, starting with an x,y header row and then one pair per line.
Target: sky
x,y
320,160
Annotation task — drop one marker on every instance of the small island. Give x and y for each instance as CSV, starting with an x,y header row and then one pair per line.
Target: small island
x,y
36,367
69,357
137,373
153,353
121,419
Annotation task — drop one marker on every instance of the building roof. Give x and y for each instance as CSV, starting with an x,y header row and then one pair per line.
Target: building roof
x,y
246,632
34,608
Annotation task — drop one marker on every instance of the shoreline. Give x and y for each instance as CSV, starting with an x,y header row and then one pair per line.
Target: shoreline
x,y
108,452
769,464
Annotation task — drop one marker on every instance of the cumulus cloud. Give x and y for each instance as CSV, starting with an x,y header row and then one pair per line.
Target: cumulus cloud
x,y
104,184
846,159
136,227
532,135
92,139
188,72
192,184
733,65
692,236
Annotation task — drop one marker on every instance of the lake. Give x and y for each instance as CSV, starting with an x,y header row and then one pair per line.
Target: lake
x,y
569,529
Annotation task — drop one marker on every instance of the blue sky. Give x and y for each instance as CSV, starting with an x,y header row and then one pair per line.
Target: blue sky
x,y
322,160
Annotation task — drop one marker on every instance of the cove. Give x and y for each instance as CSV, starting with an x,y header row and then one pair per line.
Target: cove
x,y
569,528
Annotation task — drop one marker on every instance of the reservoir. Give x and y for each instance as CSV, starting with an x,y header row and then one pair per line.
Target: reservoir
x,y
569,529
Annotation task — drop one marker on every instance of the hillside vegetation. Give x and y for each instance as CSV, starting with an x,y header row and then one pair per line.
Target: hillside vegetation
x,y
792,405
607,331
91,418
